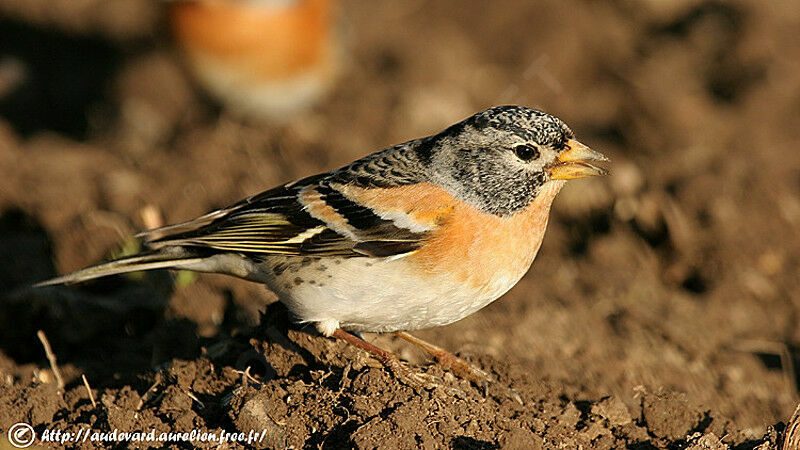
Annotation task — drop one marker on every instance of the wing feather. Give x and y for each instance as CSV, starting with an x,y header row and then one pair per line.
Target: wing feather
x,y
281,222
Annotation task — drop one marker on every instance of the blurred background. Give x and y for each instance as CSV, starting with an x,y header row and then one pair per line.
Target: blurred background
x,y
678,272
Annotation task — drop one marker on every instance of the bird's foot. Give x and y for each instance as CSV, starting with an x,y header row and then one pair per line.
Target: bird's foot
x,y
401,371
463,369
458,366
409,376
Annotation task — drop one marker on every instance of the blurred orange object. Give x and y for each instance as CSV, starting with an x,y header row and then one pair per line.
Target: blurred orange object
x,y
264,58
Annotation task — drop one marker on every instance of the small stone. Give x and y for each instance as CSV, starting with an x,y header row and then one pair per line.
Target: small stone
x,y
613,410
570,416
707,441
669,415
253,417
520,438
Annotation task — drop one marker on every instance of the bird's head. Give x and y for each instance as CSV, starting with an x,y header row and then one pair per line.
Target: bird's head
x,y
501,158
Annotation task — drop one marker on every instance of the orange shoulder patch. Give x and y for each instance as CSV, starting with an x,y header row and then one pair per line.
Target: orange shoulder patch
x,y
424,205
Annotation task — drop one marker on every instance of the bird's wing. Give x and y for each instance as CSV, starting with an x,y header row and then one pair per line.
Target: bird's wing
x,y
311,217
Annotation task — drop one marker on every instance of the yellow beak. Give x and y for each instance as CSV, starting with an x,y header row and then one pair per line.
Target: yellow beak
x,y
573,163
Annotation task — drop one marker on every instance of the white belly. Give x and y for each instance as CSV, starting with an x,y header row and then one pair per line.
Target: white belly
x,y
377,295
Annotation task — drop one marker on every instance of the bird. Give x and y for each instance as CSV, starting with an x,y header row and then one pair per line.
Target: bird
x,y
264,59
417,235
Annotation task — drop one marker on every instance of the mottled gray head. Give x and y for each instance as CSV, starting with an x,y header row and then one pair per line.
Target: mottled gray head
x,y
499,158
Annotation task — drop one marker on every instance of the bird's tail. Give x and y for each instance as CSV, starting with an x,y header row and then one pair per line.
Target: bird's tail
x,y
168,257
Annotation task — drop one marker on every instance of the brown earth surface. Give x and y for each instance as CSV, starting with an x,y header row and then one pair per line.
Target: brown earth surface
x,y
661,312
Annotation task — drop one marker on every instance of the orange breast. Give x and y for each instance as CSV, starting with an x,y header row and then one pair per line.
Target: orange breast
x,y
477,248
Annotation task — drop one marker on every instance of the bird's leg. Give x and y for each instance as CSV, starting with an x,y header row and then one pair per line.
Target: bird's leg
x,y
388,359
458,366
449,361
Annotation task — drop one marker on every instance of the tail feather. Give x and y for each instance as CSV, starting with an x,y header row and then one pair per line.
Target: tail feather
x,y
160,259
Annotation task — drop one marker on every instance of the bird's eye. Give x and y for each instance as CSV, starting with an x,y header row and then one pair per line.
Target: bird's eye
x,y
526,152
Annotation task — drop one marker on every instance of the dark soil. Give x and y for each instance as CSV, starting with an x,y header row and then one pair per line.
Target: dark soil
x,y
661,312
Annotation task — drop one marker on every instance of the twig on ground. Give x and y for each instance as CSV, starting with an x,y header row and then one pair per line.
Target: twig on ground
x,y
146,396
51,357
89,390
246,376
192,396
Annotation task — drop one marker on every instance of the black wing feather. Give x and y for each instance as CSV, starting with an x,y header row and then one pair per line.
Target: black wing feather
x,y
276,222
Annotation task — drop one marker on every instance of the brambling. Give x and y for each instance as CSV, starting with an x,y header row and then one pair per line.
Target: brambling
x,y
263,58
414,236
